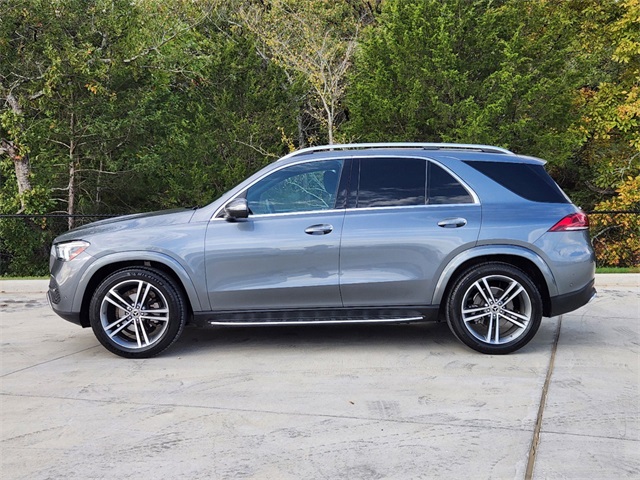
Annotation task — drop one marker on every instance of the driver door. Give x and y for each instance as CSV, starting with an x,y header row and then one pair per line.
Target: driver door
x,y
285,254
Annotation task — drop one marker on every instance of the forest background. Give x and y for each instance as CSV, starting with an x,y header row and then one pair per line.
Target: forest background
x,y
114,106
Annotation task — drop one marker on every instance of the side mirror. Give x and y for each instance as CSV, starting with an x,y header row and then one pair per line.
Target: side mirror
x,y
236,209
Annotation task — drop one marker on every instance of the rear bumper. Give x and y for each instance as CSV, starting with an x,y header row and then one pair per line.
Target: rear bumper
x,y
572,301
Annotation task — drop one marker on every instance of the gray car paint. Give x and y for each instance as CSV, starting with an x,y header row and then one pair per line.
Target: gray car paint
x,y
227,266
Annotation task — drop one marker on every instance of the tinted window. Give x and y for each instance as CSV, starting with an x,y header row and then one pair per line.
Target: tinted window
x,y
444,189
298,188
391,182
529,181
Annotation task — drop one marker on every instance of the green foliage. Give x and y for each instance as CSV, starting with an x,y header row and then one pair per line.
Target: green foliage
x,y
133,106
616,238
469,71
123,106
24,247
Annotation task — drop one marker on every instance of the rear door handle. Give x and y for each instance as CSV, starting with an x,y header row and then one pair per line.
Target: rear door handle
x,y
452,222
320,229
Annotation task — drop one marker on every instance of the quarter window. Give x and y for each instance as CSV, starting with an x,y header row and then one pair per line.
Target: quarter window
x,y
298,188
529,181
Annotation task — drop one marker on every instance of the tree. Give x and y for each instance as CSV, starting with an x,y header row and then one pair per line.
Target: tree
x,y
610,128
468,71
57,66
114,107
313,40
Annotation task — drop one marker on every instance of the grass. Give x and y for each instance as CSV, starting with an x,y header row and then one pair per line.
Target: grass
x,y
24,278
618,270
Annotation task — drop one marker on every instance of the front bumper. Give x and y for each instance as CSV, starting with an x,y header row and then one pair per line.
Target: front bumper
x,y
572,301
53,296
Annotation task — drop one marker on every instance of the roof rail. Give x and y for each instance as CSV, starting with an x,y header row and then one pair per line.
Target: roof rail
x,y
424,146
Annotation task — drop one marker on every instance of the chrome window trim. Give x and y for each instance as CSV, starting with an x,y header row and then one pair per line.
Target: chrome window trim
x,y
277,169
465,185
288,214
366,209
395,207
474,195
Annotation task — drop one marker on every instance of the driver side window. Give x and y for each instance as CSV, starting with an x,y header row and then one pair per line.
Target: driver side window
x,y
298,188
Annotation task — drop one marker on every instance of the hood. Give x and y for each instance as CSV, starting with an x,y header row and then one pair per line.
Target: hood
x,y
128,222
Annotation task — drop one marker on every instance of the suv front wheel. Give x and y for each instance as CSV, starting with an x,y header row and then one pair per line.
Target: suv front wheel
x,y
137,312
494,308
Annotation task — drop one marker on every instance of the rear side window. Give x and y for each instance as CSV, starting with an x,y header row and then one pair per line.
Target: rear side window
x,y
443,189
391,182
529,181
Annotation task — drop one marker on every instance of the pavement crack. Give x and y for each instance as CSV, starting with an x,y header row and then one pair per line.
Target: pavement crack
x,y
407,421
48,361
535,441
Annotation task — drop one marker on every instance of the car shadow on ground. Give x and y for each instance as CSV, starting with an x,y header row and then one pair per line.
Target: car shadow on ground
x,y
434,336
195,340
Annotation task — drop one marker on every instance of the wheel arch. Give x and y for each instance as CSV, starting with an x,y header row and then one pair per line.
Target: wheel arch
x,y
105,266
526,260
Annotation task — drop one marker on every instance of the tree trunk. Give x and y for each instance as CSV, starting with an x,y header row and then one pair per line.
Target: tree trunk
x,y
330,126
71,193
21,163
71,198
302,141
23,172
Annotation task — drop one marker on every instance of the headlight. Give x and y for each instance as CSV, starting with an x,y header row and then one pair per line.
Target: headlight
x,y
69,250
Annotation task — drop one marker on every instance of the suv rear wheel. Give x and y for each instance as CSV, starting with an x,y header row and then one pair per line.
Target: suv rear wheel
x,y
494,308
137,312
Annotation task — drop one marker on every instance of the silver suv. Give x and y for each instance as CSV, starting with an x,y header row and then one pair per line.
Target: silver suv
x,y
365,233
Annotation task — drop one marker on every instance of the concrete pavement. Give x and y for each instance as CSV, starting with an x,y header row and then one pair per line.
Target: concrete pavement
x,y
366,402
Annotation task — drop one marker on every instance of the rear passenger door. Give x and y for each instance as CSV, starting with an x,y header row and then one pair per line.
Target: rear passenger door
x,y
405,218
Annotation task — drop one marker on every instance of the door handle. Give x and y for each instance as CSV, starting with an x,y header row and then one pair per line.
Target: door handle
x,y
452,222
320,229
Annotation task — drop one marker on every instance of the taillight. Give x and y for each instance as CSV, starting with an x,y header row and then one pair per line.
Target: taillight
x,y
570,223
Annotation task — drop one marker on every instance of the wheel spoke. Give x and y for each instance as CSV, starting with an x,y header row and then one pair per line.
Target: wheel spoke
x,y
480,290
135,327
512,284
473,310
489,291
511,320
123,303
144,333
164,318
485,290
144,295
475,317
496,338
124,325
490,329
513,295
154,310
140,283
110,326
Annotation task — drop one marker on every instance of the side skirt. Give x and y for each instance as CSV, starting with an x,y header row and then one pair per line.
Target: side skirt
x,y
319,316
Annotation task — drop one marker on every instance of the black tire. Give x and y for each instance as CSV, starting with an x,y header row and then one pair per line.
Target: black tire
x,y
494,308
137,312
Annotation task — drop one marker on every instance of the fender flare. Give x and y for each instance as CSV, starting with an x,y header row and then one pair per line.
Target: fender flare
x,y
487,251
129,256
